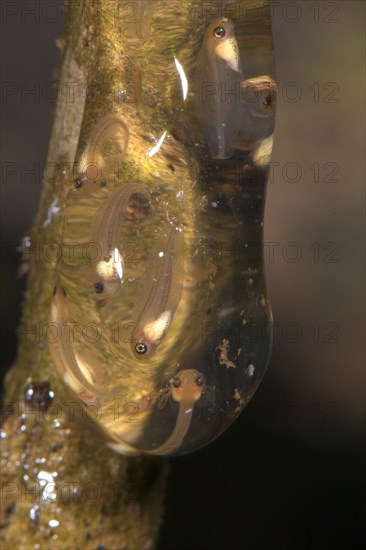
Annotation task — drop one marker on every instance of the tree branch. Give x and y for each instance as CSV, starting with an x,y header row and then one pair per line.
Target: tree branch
x,y
62,488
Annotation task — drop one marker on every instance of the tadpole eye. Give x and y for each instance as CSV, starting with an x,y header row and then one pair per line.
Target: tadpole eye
x,y
99,287
176,382
219,32
200,380
78,183
141,348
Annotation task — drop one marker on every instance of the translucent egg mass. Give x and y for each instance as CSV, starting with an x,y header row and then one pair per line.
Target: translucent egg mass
x,y
160,311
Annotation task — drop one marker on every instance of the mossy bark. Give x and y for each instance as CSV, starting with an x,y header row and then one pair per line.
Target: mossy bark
x,y
62,488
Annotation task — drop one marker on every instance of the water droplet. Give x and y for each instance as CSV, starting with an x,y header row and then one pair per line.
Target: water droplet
x,y
34,513
44,476
53,523
29,393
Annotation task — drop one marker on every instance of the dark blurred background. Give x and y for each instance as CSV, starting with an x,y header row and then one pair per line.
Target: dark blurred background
x,y
290,472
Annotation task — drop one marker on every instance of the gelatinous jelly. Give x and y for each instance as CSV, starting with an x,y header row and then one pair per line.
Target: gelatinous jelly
x,y
160,310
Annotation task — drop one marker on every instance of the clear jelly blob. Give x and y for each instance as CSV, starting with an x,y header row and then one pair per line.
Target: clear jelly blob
x,y
160,311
